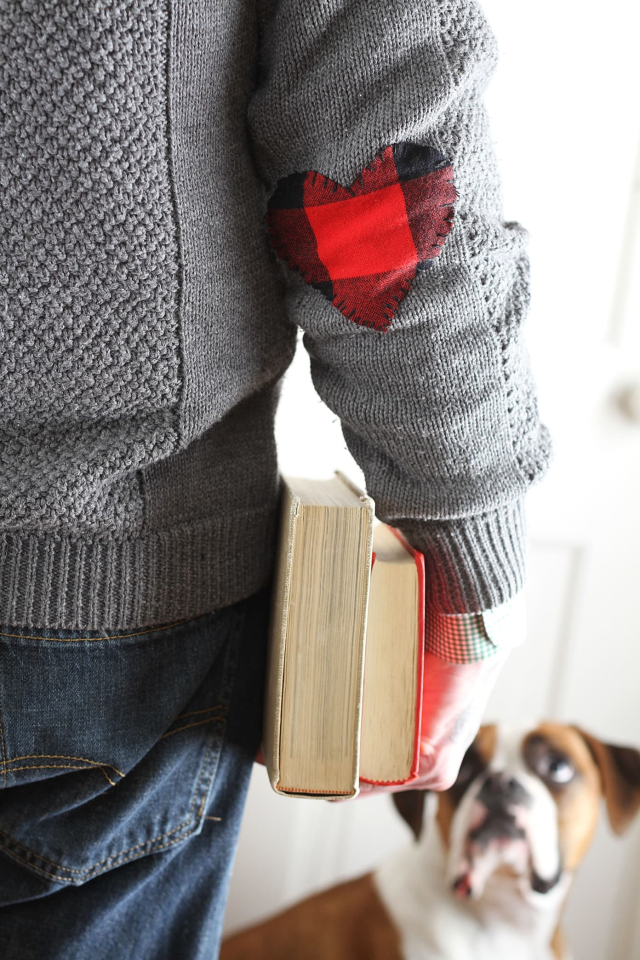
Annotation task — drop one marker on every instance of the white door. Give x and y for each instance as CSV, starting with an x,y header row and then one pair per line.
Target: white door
x,y
566,123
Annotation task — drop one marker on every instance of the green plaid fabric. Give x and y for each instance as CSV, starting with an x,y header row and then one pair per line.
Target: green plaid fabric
x,y
471,637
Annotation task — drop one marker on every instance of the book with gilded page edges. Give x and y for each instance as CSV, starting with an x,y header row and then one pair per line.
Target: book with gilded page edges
x,y
313,702
394,661
344,686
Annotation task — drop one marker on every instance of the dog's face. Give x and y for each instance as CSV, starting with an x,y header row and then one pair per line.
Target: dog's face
x,y
526,803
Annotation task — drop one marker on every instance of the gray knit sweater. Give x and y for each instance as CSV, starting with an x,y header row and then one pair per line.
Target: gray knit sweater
x,y
146,322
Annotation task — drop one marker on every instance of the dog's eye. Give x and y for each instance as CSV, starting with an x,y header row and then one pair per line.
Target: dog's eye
x,y
552,765
556,768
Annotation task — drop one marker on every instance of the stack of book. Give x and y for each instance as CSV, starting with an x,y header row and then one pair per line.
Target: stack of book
x,y
344,686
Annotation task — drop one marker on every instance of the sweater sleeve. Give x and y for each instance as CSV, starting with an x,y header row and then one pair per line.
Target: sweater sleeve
x,y
435,396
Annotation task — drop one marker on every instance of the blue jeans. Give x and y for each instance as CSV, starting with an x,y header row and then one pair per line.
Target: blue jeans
x,y
125,762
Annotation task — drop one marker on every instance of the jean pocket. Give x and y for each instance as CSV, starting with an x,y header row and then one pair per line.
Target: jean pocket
x,y
109,744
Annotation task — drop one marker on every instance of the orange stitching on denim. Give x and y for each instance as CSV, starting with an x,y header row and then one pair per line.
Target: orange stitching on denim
x,y
213,818
61,766
62,756
189,725
44,859
118,636
116,856
192,713
15,856
163,847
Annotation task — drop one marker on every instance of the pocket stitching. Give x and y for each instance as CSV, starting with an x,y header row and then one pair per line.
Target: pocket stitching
x,y
118,859
63,766
118,856
59,879
60,756
192,713
188,726
117,636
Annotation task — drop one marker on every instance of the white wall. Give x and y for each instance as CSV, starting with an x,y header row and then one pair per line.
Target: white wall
x,y
566,119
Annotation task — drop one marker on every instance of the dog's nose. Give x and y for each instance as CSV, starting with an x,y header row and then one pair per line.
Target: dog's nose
x,y
501,788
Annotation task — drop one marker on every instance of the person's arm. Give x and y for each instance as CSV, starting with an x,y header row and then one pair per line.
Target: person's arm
x,y
420,356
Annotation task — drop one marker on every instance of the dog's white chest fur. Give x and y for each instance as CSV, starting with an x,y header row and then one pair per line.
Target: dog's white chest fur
x,y
436,925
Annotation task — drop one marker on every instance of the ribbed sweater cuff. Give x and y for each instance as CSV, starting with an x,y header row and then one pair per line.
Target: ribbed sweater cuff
x,y
77,583
475,563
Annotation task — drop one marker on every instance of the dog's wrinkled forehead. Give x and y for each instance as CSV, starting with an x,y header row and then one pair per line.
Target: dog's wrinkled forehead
x,y
504,765
516,754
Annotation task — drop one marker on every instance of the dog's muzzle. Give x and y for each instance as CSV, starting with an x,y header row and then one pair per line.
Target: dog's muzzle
x,y
499,835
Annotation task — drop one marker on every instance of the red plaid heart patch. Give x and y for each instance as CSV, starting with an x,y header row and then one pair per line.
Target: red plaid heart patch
x,y
362,245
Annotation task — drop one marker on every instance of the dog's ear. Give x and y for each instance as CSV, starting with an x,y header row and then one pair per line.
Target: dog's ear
x,y
620,771
410,806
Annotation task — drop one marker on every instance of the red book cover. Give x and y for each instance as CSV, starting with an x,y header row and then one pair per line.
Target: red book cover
x,y
420,569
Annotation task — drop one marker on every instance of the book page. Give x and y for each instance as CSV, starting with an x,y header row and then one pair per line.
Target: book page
x,y
391,665
324,650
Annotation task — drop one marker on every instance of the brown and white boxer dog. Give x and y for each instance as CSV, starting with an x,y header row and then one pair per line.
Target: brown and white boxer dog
x,y
489,878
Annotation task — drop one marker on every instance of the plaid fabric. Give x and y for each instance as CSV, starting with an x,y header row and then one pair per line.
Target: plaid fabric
x,y
362,245
470,637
